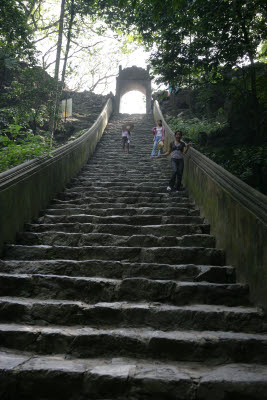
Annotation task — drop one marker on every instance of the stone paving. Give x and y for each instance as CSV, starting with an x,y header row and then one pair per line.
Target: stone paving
x,y
117,291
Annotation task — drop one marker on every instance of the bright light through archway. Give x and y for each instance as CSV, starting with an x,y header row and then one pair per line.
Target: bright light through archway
x,y
133,102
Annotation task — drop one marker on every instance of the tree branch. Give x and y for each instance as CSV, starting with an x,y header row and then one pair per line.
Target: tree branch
x,y
44,37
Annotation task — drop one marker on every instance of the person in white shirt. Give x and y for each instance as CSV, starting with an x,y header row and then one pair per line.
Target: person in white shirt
x,y
126,138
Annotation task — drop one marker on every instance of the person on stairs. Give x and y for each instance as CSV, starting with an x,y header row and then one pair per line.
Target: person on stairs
x,y
159,134
177,150
126,138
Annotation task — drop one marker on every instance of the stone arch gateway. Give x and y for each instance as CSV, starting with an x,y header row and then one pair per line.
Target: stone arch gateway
x,y
133,78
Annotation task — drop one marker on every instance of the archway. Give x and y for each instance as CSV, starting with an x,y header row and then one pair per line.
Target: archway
x,y
133,102
130,79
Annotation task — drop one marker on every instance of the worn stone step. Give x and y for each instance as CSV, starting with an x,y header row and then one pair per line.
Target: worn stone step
x,y
138,160
120,270
86,342
117,219
123,229
127,185
127,176
172,255
92,289
126,197
132,314
114,146
59,204
159,200
130,190
107,239
124,161
129,211
118,178
58,378
122,179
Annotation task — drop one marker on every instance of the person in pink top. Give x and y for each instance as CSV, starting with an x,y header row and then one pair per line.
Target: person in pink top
x,y
159,134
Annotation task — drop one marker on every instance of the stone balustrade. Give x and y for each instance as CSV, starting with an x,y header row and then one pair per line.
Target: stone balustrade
x,y
236,212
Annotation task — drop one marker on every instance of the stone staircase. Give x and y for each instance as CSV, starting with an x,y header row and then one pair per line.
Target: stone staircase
x,y
118,291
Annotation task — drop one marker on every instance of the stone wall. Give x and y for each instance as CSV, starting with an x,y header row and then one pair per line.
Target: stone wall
x,y
26,189
86,107
236,212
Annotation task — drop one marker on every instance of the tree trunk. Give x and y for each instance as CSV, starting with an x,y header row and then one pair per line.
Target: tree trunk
x,y
60,36
72,15
254,106
52,124
249,53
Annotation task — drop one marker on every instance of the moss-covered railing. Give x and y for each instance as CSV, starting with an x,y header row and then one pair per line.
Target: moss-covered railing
x,y
28,188
236,212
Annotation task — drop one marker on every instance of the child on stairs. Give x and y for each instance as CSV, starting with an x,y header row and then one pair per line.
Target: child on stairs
x,y
126,138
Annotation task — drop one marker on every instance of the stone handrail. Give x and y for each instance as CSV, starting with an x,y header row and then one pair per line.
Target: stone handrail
x,y
236,212
28,188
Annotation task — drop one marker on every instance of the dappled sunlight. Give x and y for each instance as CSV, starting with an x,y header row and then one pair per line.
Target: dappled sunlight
x,y
133,102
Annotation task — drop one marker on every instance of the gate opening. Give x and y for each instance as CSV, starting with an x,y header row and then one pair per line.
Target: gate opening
x,y
133,102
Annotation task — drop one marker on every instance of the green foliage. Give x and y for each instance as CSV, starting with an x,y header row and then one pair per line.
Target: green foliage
x,y
24,118
192,127
76,135
20,148
15,34
263,52
246,162
191,39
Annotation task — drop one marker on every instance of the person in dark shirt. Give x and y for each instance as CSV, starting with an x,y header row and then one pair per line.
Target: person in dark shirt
x,y
177,149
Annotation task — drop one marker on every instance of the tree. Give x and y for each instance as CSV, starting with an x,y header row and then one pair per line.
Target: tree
x,y
15,37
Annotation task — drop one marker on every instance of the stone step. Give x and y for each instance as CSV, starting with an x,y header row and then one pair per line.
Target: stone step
x,y
116,157
126,199
128,211
96,166
58,378
131,189
114,138
113,153
107,181
93,205
101,239
87,342
172,255
112,150
121,179
120,270
132,314
117,219
95,289
123,229
128,175
98,193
